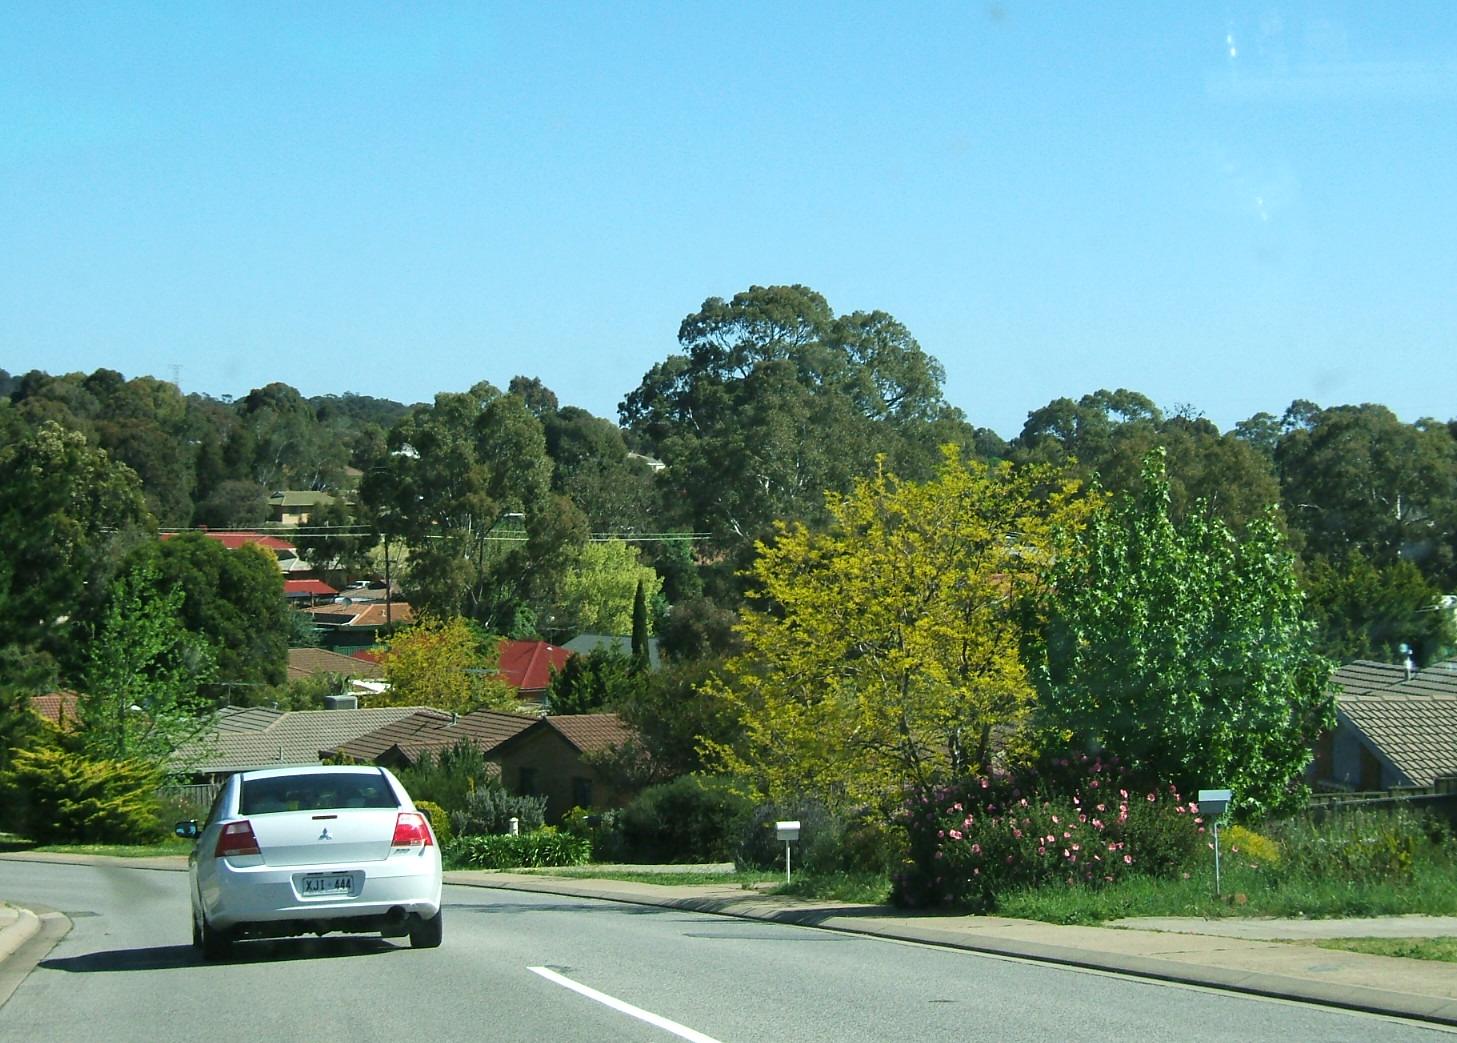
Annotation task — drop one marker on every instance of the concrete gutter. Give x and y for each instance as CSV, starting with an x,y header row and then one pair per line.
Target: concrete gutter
x,y
26,937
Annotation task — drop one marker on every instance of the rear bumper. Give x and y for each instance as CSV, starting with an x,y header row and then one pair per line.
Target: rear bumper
x,y
256,897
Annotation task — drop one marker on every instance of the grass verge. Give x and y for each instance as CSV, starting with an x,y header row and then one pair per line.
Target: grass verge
x,y
165,847
858,888
666,879
1444,949
1246,892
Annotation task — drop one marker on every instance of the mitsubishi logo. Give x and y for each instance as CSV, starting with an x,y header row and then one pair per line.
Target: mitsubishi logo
x,y
325,834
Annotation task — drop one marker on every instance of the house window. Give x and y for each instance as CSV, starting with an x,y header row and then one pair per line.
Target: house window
x,y
581,792
526,782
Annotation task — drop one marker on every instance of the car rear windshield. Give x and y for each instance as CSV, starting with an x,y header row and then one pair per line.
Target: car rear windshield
x,y
315,792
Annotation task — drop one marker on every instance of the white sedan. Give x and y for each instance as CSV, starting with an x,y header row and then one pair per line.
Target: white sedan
x,y
288,851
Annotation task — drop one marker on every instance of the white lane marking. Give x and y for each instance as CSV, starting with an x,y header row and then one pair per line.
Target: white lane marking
x,y
681,1031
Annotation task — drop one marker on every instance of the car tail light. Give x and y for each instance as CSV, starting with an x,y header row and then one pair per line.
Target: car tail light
x,y
237,839
411,830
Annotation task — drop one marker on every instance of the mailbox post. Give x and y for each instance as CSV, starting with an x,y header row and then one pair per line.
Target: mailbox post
x,y
787,832
1212,804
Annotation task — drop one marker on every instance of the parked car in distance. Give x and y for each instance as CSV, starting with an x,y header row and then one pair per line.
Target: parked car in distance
x,y
309,850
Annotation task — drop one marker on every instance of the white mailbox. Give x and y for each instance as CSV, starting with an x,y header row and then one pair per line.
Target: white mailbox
x,y
786,830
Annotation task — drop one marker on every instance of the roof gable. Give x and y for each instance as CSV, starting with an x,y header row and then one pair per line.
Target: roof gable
x,y
1411,721
432,730
527,665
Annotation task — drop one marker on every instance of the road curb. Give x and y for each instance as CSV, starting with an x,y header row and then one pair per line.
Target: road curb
x,y
17,926
1437,1010
26,941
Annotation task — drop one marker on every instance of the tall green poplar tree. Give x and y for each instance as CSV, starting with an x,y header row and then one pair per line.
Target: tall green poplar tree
x,y
1185,650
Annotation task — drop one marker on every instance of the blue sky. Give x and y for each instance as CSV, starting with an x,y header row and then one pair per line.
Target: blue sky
x,y
1224,206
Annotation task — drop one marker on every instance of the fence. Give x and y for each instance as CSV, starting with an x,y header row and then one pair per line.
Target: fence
x,y
1438,799
191,801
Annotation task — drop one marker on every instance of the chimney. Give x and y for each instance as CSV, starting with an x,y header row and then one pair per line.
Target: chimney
x,y
1408,663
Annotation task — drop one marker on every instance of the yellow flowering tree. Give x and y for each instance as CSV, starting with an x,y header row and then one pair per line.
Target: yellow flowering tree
x,y
885,652
446,665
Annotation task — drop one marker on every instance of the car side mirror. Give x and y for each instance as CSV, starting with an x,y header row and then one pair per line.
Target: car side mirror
x,y
187,830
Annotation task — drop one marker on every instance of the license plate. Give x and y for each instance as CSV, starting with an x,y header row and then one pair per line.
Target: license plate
x,y
327,884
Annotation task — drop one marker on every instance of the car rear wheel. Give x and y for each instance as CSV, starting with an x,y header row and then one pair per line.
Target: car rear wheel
x,y
212,943
427,934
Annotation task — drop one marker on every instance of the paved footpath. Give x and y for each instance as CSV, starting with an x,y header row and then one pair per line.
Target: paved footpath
x,y
1241,955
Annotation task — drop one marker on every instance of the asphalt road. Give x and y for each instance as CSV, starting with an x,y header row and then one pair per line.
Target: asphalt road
x,y
518,966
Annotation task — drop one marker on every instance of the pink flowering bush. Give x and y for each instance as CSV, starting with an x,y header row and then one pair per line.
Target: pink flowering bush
x,y
1072,820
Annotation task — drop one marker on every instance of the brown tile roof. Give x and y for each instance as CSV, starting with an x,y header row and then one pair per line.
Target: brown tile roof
x,y
374,615
590,732
431,730
1410,721
56,707
307,662
258,738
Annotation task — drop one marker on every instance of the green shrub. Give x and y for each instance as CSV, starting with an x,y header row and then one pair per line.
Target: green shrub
x,y
545,847
601,829
1355,845
1070,821
449,777
490,809
1256,849
695,818
818,849
439,820
67,798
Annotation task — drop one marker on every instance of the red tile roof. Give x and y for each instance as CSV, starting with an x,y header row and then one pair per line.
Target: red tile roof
x,y
234,540
308,586
527,665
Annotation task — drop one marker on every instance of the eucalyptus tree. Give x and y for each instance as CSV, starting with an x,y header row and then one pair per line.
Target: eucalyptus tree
x,y
774,399
465,487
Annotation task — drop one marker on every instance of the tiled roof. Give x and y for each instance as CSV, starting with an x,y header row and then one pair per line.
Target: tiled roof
x,y
362,614
308,586
1411,721
299,498
374,615
307,662
1364,677
56,706
527,665
590,732
289,738
1417,733
247,718
430,730
234,540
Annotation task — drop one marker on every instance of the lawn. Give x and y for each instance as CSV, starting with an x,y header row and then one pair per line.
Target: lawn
x,y
1444,949
163,847
1246,892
